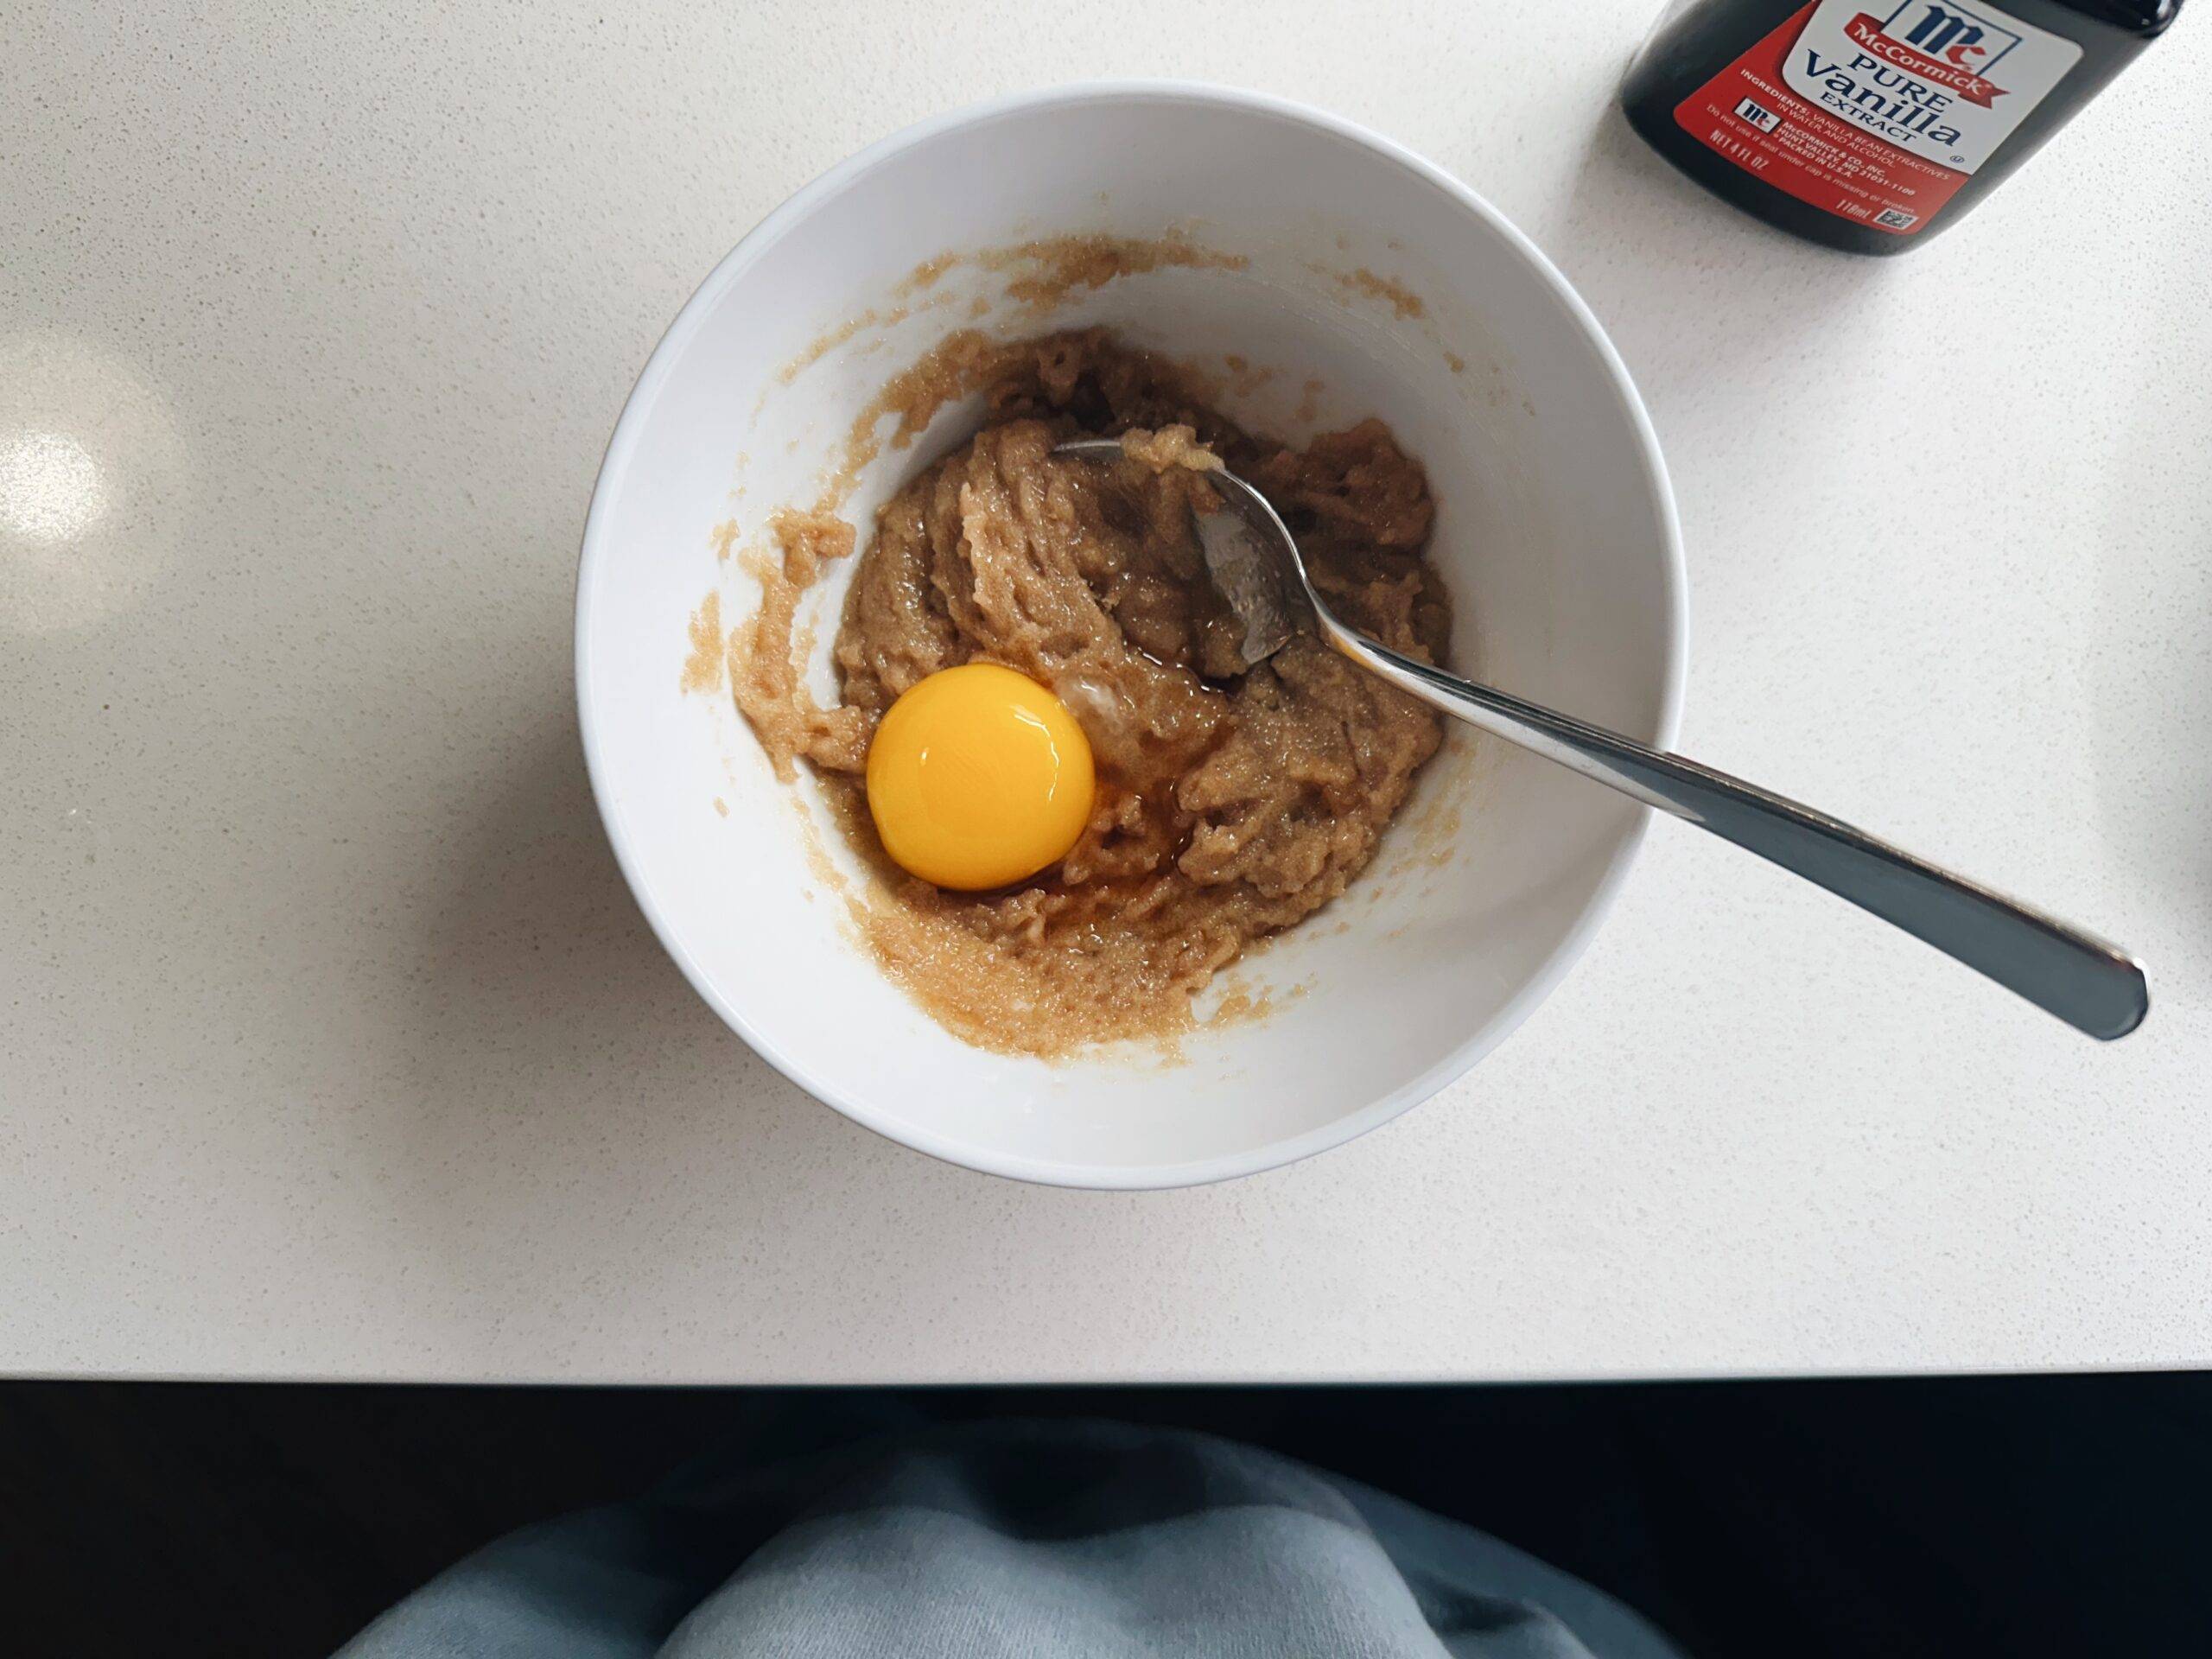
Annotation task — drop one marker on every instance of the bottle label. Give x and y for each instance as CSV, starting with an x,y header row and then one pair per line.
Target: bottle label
x,y
1877,111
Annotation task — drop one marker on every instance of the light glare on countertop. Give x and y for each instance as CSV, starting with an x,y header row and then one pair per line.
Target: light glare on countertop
x,y
50,487
94,480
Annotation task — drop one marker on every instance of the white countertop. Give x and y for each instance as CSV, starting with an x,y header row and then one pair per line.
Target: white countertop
x,y
331,1044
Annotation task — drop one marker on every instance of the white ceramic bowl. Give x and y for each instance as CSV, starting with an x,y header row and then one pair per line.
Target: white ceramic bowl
x,y
1555,531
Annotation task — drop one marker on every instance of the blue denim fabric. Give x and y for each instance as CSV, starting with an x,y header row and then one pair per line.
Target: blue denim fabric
x,y
1031,1541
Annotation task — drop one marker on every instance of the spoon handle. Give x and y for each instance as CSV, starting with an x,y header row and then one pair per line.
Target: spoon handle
x,y
2092,985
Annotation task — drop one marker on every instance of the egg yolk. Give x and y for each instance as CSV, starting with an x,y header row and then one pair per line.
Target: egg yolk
x,y
978,776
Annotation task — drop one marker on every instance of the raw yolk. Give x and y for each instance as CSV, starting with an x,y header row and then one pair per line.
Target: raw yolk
x,y
978,776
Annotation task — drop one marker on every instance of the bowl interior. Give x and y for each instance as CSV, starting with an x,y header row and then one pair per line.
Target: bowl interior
x,y
1366,285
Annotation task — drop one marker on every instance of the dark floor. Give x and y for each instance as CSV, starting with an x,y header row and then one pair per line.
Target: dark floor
x,y
1951,1517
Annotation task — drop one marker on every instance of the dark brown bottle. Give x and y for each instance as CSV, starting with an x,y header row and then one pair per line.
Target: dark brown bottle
x,y
1870,124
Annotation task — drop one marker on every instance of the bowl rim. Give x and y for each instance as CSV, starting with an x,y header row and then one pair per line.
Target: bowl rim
x,y
615,464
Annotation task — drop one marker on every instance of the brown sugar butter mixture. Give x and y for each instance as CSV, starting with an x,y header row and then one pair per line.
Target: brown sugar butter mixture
x,y
1232,803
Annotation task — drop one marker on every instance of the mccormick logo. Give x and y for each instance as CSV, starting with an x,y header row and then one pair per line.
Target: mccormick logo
x,y
1946,44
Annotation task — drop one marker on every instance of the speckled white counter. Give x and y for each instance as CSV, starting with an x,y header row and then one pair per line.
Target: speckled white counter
x,y
332,1046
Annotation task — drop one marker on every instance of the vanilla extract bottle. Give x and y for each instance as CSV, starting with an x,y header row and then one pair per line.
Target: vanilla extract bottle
x,y
1869,124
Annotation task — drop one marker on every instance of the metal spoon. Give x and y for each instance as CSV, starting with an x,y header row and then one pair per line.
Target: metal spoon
x,y
2092,985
